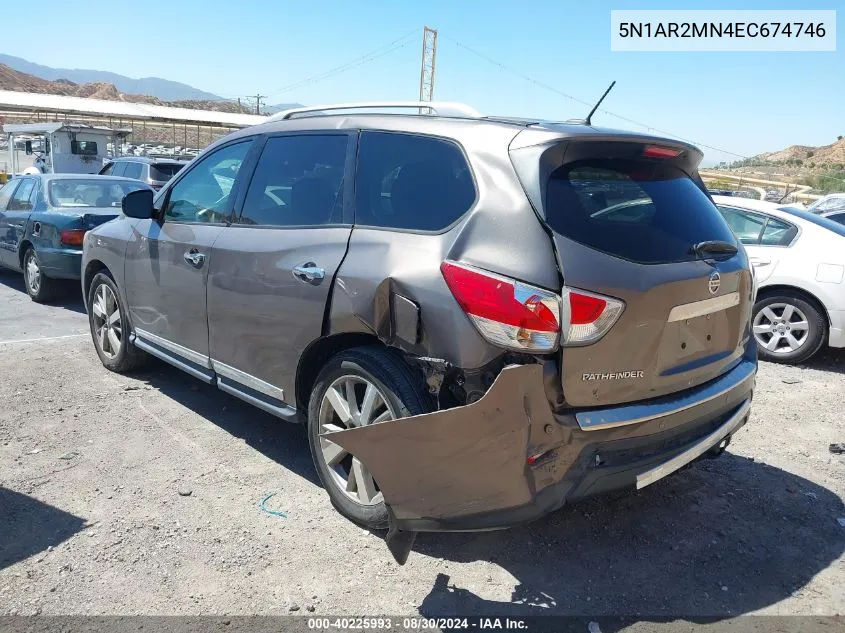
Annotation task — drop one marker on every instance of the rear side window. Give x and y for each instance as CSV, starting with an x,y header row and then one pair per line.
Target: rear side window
x,y
745,225
6,193
298,182
411,182
107,170
778,233
643,211
133,170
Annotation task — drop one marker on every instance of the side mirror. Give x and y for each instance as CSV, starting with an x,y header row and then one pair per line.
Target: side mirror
x,y
138,204
28,148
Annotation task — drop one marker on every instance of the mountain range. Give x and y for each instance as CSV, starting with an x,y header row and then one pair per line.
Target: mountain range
x,y
102,84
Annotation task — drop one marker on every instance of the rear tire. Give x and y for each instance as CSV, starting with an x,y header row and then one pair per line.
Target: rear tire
x,y
109,325
788,329
395,391
39,286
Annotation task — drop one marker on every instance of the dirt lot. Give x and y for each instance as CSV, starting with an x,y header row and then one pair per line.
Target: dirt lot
x,y
141,495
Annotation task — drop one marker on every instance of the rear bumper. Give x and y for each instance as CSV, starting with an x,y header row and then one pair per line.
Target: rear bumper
x,y
61,263
469,469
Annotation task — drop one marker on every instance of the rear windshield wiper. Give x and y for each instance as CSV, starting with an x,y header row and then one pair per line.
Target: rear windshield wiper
x,y
713,247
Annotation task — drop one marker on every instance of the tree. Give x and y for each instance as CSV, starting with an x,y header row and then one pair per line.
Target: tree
x,y
839,138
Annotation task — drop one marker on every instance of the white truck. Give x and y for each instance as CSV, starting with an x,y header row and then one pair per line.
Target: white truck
x,y
60,148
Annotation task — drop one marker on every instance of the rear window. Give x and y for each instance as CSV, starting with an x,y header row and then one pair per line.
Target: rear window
x,y
67,192
645,212
163,173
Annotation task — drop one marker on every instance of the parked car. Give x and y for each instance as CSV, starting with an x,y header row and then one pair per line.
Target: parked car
x,y
43,219
799,262
478,319
828,204
153,171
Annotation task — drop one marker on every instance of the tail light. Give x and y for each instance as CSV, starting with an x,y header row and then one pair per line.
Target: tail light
x,y
506,312
655,151
586,316
72,237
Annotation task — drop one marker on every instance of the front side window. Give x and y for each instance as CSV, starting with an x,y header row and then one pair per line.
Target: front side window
x,y
405,181
204,194
23,198
73,192
119,168
298,182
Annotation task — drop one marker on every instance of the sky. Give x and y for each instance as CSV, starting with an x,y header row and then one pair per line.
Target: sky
x,y
500,57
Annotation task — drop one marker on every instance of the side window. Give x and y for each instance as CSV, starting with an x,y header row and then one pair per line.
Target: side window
x,y
778,233
119,168
836,217
107,170
133,170
746,226
298,182
202,195
6,193
22,200
836,204
411,182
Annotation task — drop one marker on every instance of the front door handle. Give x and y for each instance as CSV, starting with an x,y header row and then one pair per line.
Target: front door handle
x,y
195,258
309,272
756,261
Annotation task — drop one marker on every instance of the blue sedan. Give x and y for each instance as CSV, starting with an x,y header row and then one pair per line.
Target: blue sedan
x,y
43,219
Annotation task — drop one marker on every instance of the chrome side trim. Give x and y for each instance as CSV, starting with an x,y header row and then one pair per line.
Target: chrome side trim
x,y
189,354
696,450
167,358
247,380
634,413
700,308
282,411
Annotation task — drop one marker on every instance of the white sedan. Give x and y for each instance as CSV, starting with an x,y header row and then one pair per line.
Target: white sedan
x,y
799,264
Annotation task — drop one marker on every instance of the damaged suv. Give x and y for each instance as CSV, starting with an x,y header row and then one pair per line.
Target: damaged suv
x,y
479,319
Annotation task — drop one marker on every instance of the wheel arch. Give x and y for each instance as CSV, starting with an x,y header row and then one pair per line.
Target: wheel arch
x,y
321,350
24,246
809,297
91,269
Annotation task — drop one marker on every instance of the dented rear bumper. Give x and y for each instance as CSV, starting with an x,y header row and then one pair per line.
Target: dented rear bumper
x,y
508,458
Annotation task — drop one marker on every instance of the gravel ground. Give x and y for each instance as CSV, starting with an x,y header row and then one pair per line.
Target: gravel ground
x,y
141,495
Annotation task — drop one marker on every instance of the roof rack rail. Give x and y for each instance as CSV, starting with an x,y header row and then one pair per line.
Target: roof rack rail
x,y
438,108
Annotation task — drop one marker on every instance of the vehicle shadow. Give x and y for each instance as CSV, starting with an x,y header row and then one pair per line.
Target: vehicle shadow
x,y
828,359
283,442
720,538
29,526
69,297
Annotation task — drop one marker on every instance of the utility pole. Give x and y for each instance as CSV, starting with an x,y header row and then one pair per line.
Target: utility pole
x,y
258,98
429,55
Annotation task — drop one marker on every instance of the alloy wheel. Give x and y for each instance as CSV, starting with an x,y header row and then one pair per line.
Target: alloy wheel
x,y
108,328
351,401
32,273
781,328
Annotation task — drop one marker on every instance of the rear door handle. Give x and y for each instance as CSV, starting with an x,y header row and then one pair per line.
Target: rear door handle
x,y
195,258
756,261
309,272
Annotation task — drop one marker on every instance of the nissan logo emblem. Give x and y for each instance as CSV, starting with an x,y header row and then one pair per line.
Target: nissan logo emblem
x,y
714,282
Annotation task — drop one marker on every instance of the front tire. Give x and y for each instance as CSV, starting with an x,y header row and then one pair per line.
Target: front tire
x,y
788,329
365,385
39,286
110,326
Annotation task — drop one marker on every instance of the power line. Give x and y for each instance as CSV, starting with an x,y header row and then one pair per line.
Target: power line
x,y
546,86
258,99
395,45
